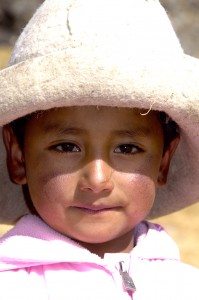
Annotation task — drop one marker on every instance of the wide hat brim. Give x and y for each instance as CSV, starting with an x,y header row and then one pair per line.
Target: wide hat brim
x,y
107,74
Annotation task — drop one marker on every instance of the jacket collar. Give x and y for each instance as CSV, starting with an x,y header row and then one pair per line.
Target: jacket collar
x,y
32,242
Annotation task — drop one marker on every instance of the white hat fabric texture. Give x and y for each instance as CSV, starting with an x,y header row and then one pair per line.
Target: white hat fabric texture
x,y
121,53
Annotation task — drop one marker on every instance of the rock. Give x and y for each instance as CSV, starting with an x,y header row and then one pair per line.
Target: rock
x,y
184,15
13,17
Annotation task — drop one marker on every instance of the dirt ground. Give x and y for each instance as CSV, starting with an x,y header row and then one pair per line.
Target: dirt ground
x,y
183,226
4,56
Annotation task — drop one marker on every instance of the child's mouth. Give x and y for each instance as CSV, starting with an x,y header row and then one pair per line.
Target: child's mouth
x,y
94,210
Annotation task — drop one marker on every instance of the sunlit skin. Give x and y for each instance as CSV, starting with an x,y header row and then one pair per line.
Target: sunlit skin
x,y
92,172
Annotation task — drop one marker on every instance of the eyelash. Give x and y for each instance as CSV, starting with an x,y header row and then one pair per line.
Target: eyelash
x,y
66,148
126,149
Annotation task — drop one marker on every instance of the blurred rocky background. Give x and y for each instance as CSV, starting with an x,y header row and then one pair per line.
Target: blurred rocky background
x,y
184,14
14,14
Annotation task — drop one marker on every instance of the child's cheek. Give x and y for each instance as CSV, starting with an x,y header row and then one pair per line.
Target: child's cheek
x,y
53,189
141,190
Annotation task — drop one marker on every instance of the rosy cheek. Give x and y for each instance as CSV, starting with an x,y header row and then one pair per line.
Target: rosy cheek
x,y
142,189
52,189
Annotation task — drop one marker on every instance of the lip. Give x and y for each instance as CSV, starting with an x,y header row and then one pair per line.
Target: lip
x,y
96,210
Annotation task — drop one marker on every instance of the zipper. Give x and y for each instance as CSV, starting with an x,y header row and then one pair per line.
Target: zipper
x,y
126,278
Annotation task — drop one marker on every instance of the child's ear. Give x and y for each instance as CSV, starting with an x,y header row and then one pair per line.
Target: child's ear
x,y
166,159
15,157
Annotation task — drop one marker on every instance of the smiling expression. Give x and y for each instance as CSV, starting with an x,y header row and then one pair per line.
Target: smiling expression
x,y
92,173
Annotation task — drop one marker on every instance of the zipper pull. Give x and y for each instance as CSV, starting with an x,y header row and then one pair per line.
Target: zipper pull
x,y
127,280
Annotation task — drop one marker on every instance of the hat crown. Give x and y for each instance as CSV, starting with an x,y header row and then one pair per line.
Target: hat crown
x,y
99,25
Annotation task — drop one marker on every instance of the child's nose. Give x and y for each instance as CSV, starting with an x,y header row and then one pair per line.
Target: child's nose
x,y
96,176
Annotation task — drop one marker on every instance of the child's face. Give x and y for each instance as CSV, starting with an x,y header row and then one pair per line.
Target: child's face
x,y
92,173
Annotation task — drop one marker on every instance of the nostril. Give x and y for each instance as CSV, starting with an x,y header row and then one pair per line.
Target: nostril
x,y
96,187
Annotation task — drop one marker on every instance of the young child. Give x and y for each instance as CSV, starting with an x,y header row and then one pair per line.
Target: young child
x,y
97,98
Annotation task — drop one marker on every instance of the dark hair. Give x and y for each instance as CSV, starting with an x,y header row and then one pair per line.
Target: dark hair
x,y
19,125
170,129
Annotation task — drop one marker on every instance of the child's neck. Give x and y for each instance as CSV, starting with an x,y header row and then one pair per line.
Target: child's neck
x,y
123,244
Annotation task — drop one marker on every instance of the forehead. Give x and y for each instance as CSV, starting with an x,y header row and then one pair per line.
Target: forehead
x,y
96,119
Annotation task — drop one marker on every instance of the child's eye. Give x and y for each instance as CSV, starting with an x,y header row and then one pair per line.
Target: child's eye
x,y
66,147
127,149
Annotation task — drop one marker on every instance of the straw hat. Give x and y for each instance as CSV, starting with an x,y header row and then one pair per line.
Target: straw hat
x,y
111,53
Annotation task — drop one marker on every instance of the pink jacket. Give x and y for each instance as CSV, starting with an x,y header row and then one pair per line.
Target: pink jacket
x,y
37,262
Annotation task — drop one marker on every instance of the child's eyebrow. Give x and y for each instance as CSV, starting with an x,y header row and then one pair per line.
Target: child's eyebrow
x,y
56,128
139,131
66,129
